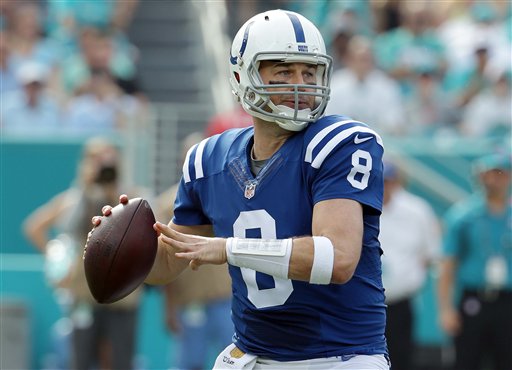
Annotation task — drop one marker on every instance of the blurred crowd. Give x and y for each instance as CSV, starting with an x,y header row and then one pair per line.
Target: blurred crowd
x,y
67,67
405,67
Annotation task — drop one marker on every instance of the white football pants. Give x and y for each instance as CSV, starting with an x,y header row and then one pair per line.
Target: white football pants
x,y
232,358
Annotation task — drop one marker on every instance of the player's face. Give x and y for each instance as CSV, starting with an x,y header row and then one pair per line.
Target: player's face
x,y
274,72
496,181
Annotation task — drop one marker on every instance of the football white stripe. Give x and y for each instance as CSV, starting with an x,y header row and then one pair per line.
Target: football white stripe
x,y
186,173
318,137
198,162
328,148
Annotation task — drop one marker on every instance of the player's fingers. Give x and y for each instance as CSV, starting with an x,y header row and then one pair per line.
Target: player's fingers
x,y
195,264
161,227
155,227
182,237
123,199
106,210
181,246
176,235
186,255
96,220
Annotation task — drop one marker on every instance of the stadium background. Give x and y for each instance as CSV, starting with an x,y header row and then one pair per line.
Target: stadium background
x,y
181,54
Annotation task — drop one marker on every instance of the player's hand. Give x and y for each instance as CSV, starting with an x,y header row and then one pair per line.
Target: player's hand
x,y
107,210
199,250
450,320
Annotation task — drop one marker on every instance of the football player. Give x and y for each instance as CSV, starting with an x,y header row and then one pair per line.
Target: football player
x,y
292,204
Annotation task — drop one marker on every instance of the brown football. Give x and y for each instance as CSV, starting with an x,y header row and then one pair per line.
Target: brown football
x,y
120,251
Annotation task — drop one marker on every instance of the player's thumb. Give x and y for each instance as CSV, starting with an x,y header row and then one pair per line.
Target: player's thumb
x,y
194,265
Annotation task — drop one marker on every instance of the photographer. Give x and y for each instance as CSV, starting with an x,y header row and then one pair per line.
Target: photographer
x,y
103,335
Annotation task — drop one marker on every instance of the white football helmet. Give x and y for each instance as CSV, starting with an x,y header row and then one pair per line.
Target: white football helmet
x,y
287,37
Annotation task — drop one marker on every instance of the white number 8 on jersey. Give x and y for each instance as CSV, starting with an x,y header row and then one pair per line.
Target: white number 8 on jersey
x,y
360,168
260,219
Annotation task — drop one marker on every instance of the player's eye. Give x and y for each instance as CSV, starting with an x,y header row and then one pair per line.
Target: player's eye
x,y
283,73
309,77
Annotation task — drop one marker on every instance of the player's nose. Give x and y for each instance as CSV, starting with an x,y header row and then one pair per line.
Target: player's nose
x,y
298,78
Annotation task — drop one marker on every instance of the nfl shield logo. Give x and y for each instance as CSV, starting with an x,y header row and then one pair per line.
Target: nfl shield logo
x,y
250,189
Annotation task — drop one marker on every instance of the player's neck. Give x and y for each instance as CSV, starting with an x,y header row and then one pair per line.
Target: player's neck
x,y
268,138
497,203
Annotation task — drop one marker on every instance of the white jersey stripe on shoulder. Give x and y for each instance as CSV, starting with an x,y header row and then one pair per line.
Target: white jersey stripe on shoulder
x,y
319,159
198,162
319,136
186,172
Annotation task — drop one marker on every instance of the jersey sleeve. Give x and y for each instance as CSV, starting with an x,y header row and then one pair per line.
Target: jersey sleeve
x,y
346,162
187,207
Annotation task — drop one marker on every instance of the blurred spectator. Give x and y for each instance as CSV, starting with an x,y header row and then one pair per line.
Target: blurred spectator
x,y
475,284
197,303
6,14
235,118
31,110
7,67
490,113
342,33
411,239
429,109
365,93
331,16
97,52
104,336
386,15
25,38
240,11
473,23
465,83
100,107
65,16
412,47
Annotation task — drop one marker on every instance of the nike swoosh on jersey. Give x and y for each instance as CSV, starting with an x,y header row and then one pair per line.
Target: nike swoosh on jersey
x,y
358,140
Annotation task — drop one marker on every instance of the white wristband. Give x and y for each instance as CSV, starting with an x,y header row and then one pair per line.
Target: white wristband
x,y
270,256
323,261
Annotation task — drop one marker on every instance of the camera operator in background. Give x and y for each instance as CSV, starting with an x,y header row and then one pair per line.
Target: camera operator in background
x,y
103,336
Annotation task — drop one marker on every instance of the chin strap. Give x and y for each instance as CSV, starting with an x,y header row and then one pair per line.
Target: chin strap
x,y
288,123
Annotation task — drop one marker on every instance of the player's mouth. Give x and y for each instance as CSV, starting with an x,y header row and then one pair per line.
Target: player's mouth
x,y
302,104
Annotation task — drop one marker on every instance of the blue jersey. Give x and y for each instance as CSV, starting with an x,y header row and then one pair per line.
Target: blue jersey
x,y
282,319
